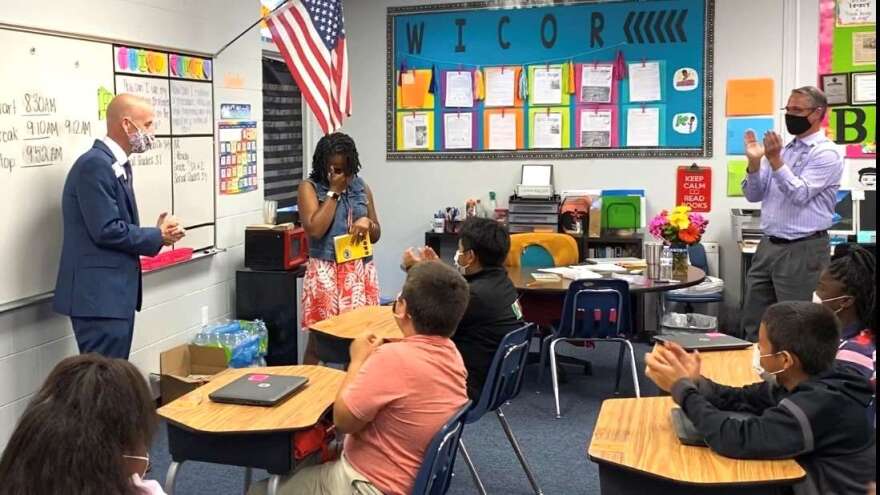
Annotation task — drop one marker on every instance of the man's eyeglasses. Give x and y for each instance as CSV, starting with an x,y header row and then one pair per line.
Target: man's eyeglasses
x,y
798,110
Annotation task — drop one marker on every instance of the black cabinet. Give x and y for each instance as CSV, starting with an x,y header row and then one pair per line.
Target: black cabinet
x,y
271,296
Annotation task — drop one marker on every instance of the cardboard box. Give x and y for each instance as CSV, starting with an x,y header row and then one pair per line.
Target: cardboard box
x,y
187,367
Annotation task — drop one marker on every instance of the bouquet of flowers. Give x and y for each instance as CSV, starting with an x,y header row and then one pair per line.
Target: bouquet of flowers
x,y
680,226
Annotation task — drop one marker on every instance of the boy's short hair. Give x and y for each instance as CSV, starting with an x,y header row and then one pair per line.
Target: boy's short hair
x,y
808,330
488,239
436,297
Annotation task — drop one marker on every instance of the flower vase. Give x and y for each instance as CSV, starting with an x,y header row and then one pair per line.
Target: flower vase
x,y
679,261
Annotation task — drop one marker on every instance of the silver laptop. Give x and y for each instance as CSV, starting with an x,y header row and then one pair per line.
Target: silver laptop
x,y
259,389
704,341
687,433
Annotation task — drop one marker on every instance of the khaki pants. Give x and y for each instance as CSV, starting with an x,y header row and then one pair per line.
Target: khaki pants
x,y
332,478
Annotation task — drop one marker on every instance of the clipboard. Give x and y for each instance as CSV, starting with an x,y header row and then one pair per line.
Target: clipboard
x,y
347,249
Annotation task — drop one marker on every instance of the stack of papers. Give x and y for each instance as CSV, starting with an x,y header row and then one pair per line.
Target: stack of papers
x,y
546,277
575,272
607,268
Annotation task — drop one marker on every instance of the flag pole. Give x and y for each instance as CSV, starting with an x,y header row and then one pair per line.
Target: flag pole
x,y
261,19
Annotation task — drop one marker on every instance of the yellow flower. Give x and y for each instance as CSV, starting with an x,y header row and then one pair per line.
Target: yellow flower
x,y
682,209
679,220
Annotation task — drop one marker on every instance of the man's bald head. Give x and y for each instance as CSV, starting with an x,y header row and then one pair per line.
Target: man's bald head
x,y
128,105
126,115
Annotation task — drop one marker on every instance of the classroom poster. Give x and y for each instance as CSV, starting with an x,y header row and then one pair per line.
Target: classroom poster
x,y
848,48
856,12
515,59
238,156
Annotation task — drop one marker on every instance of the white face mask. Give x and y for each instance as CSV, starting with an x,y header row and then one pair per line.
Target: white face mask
x,y
819,300
457,260
140,141
767,376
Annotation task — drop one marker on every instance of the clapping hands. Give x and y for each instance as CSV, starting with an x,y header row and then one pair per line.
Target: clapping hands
x,y
170,227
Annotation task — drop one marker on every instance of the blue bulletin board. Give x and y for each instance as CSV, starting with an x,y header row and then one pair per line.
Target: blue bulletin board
x,y
425,43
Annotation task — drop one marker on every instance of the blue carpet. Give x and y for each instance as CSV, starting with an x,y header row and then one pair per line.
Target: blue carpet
x,y
555,448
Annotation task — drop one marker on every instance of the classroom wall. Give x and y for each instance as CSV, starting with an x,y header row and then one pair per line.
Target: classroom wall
x,y
753,38
33,339
749,42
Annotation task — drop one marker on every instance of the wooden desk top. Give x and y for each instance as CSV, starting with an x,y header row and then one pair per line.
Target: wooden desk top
x,y
195,411
523,281
733,368
365,320
638,434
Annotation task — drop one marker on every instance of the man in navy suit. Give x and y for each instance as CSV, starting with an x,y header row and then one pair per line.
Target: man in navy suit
x,y
99,278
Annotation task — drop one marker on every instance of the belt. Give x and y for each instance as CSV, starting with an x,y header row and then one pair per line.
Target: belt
x,y
815,235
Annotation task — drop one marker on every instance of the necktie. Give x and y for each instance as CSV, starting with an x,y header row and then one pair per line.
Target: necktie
x,y
129,178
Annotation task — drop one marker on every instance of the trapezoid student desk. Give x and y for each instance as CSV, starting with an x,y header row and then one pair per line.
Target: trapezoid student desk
x,y
638,452
247,436
334,335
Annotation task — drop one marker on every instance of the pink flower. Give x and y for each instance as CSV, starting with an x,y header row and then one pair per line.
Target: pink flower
x,y
657,224
698,221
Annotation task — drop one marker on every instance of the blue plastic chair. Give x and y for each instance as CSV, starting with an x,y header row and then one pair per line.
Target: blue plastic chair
x,y
503,383
436,472
697,257
535,256
594,311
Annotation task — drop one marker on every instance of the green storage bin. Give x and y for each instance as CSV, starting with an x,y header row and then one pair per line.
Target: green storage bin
x,y
621,212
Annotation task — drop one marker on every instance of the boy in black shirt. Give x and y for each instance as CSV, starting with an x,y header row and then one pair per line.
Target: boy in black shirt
x,y
493,310
804,409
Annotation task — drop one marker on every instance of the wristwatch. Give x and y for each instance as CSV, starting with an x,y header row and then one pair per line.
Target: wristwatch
x,y
332,195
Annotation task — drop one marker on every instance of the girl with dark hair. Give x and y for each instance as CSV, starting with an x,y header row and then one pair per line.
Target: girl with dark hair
x,y
87,431
336,201
847,287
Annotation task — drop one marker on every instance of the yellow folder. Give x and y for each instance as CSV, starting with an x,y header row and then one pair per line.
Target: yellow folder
x,y
348,249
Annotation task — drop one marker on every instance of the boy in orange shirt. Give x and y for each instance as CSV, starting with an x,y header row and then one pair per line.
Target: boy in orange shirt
x,y
396,395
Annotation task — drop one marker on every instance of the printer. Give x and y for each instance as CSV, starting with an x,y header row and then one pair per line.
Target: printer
x,y
536,182
746,225
535,206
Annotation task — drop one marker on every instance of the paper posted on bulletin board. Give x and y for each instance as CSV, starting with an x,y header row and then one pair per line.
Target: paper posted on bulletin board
x,y
238,156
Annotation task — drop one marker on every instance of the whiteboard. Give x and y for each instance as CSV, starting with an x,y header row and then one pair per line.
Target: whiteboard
x,y
48,117
151,172
153,90
192,107
193,179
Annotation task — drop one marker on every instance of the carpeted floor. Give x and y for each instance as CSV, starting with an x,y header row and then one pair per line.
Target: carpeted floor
x,y
555,448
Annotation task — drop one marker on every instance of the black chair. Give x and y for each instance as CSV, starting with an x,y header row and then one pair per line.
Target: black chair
x,y
503,383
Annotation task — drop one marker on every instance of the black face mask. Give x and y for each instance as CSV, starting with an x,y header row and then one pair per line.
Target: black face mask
x,y
797,124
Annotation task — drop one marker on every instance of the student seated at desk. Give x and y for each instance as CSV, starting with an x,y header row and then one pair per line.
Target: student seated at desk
x,y
87,430
396,395
493,309
805,409
847,288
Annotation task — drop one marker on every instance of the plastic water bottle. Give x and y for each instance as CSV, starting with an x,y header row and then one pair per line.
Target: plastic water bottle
x,y
203,337
666,263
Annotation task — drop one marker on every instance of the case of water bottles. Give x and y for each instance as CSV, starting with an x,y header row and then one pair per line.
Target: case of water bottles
x,y
244,342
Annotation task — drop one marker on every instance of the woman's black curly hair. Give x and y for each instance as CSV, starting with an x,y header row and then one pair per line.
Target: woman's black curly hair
x,y
854,267
329,145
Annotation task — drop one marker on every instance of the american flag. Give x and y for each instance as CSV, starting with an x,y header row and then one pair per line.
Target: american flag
x,y
311,38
